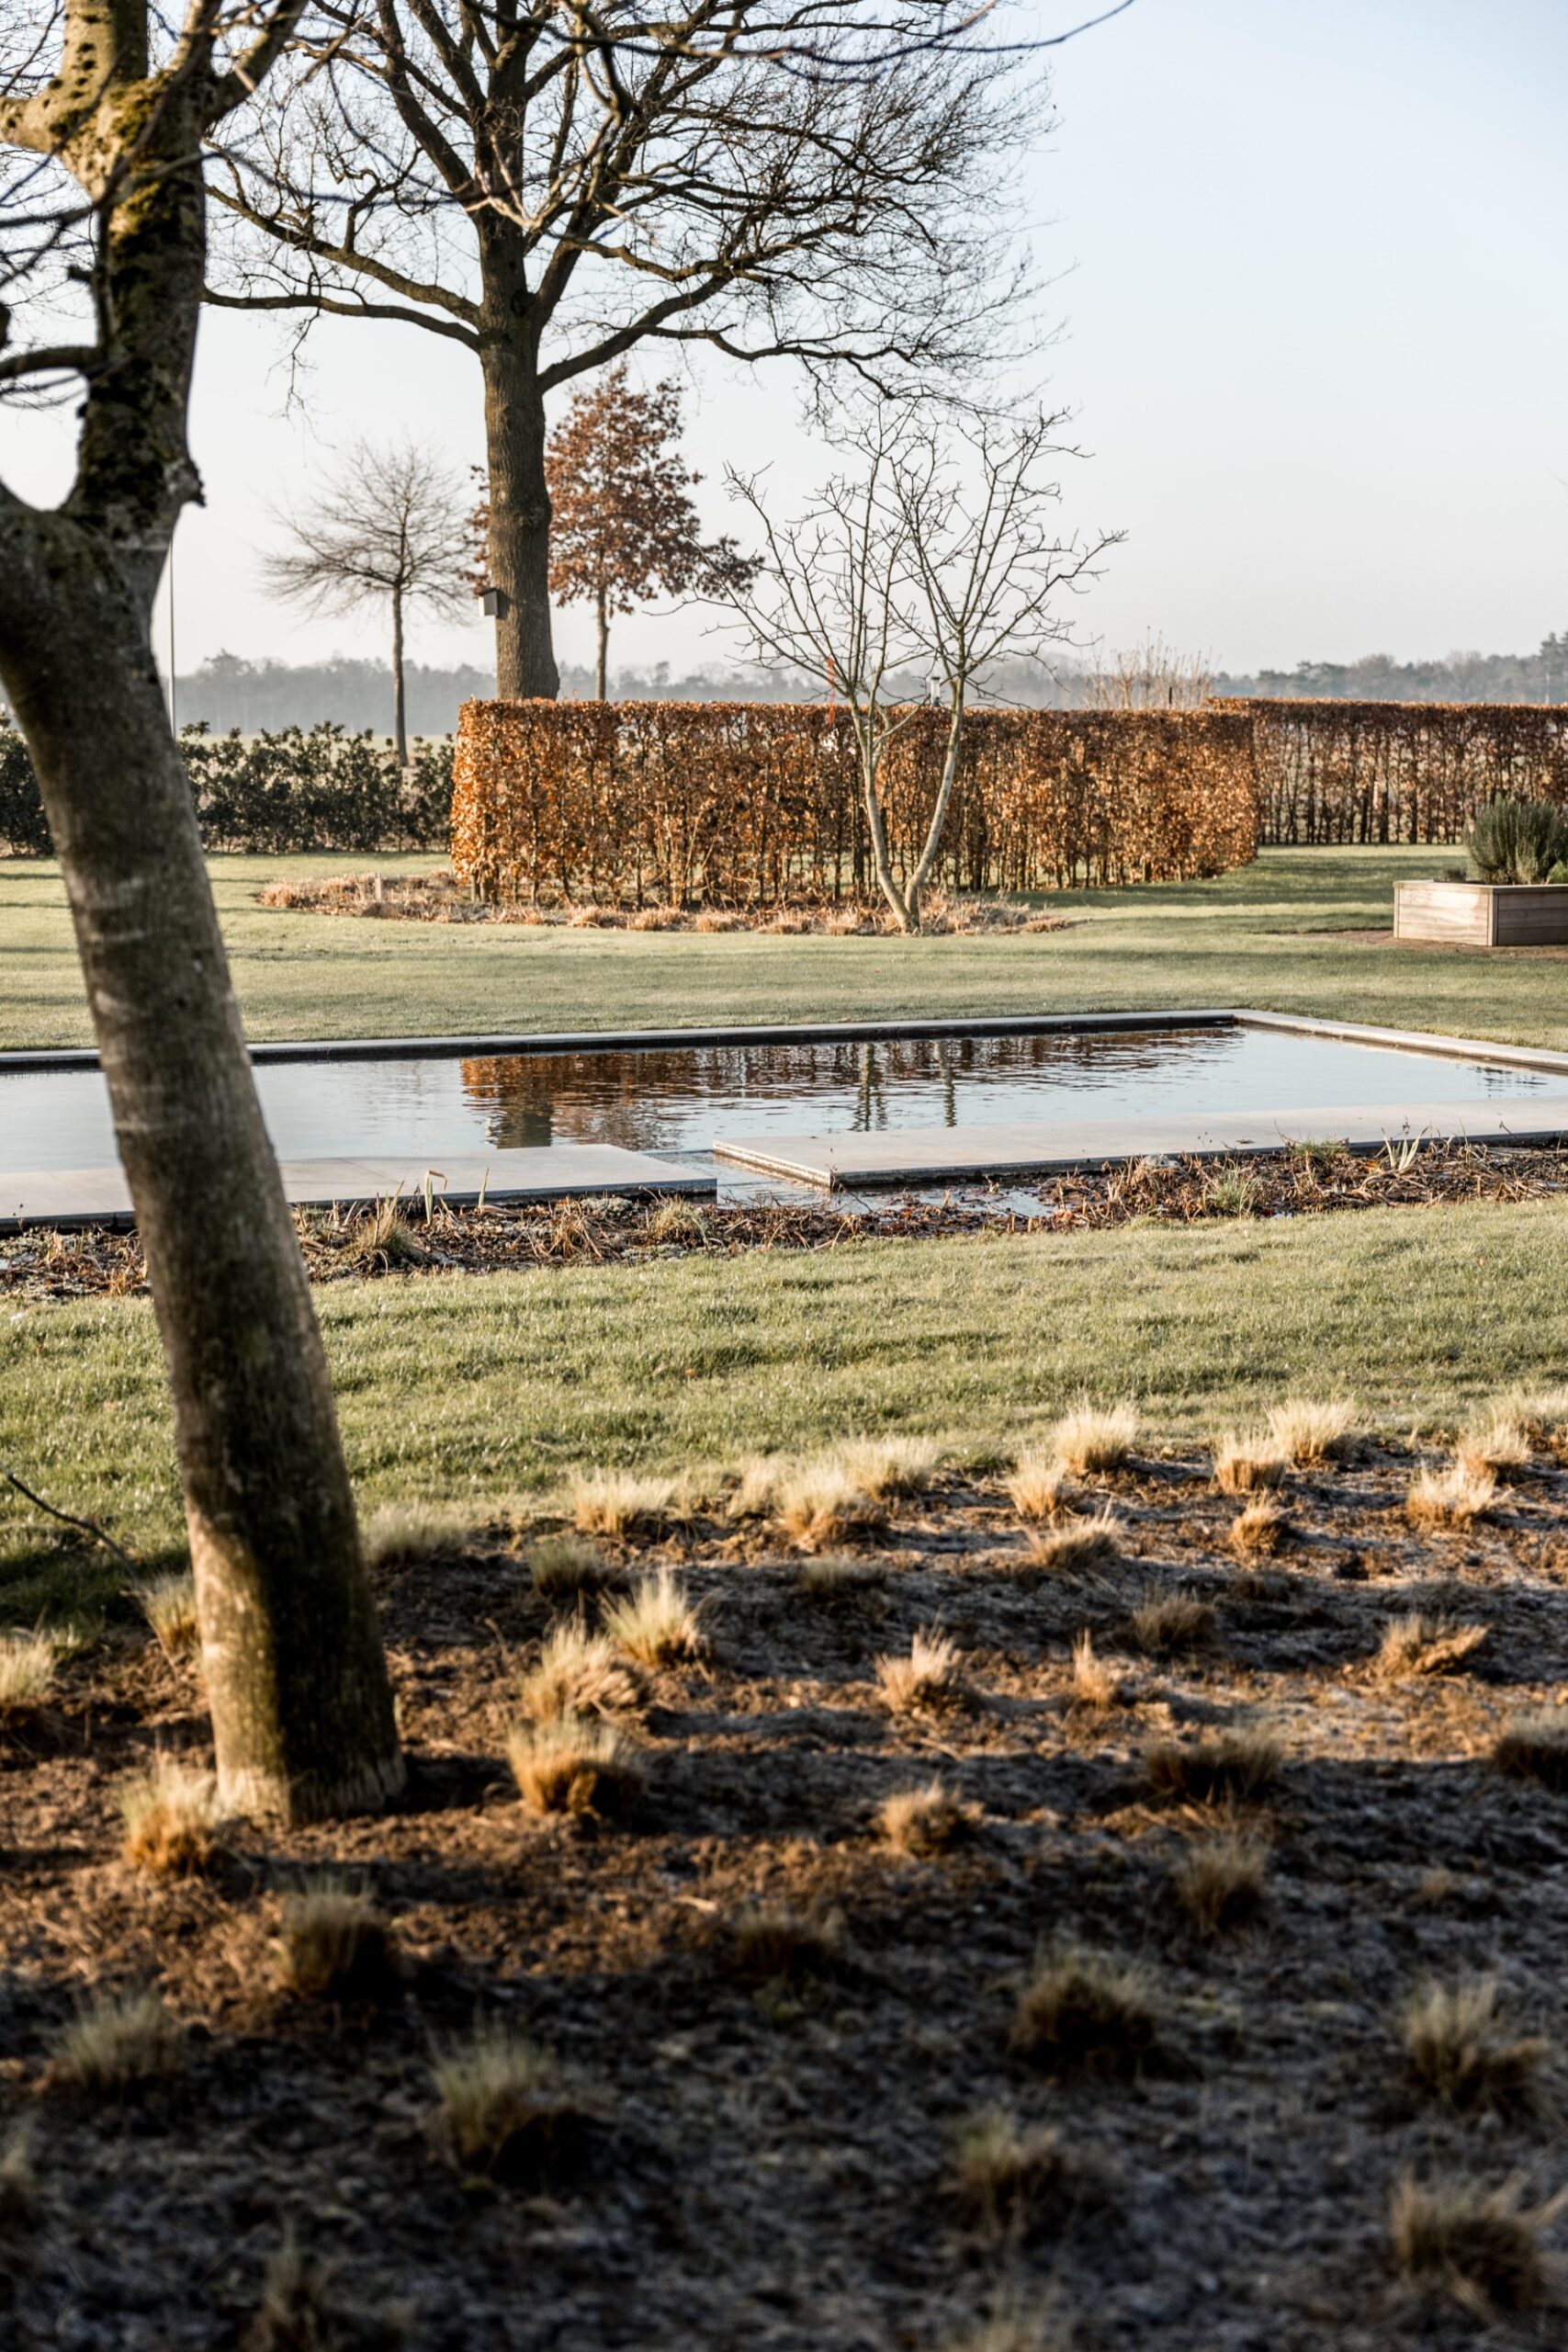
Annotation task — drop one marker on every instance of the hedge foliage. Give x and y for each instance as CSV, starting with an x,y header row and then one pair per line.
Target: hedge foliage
x,y
324,790
758,804
1364,772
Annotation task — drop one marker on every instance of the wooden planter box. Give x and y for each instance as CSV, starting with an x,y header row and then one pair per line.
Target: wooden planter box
x,y
1482,914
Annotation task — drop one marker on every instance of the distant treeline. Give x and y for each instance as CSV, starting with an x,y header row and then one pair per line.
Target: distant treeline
x,y
262,697
1537,677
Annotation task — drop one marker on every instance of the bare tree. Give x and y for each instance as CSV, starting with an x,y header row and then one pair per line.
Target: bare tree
x,y
1150,676
818,179
388,529
103,119
938,551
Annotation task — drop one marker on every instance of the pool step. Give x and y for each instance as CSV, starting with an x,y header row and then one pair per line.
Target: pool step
x,y
547,1172
1040,1148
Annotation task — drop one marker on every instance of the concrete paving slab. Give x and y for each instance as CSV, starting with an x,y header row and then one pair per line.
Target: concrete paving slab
x,y
940,1155
547,1173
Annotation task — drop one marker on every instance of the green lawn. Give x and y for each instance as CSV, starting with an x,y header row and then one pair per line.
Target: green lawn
x,y
491,1388
1266,936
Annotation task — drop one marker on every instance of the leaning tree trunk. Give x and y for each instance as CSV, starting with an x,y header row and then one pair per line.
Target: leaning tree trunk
x,y
301,1707
519,493
400,711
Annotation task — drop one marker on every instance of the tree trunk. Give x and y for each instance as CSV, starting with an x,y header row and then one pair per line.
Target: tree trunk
x,y
602,667
934,831
301,1708
399,715
515,451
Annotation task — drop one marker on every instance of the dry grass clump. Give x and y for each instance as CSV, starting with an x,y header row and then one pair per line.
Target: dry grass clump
x,y
1240,1764
171,1819
1221,1882
396,1533
1494,1442
381,1239
1078,1545
771,1940
1013,2177
1086,2012
1414,1645
1173,1625
1246,1463
304,2308
617,1502
27,1666
1263,1526
677,1220
838,1575
116,2043
1036,1487
1096,1683
880,1466
1094,1438
578,1673
820,1502
1307,1431
168,1603
1480,2246
1458,2054
336,1946
654,1623
1541,1414
572,1764
564,1565
1450,1497
1534,1746
930,1680
924,1821
507,2107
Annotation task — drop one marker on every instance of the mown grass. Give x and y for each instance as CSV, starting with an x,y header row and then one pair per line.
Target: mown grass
x,y
1270,935
460,1389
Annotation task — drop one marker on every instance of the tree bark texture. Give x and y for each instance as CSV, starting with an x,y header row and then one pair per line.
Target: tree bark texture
x,y
519,494
602,662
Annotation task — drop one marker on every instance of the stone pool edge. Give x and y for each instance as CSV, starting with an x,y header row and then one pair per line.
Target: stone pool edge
x,y
847,1032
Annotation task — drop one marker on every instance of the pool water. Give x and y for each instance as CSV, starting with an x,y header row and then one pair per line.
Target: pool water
x,y
677,1100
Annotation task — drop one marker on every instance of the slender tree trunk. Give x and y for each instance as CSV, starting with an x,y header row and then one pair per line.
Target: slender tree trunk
x,y
301,1708
938,825
519,494
400,712
868,744
602,667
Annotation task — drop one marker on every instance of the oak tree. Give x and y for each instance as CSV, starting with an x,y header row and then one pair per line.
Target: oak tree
x,y
823,179
103,114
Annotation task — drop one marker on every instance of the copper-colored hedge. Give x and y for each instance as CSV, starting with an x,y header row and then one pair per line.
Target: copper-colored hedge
x,y
756,804
1359,772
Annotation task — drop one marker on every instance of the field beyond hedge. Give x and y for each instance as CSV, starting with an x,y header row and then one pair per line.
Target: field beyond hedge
x,y
1281,934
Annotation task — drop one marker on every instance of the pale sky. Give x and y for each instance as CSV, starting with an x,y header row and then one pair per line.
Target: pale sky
x,y
1309,260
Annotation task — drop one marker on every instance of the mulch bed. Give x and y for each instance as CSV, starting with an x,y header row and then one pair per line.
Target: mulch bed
x,y
769,2160
1311,1181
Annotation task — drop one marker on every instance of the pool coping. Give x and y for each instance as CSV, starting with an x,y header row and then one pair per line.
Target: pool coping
x,y
828,1032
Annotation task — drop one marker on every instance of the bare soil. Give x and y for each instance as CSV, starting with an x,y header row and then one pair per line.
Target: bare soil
x,y
47,1263
770,2161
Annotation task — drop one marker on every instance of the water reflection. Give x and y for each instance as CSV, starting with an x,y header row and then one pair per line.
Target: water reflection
x,y
679,1099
